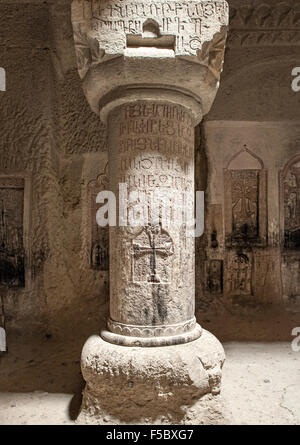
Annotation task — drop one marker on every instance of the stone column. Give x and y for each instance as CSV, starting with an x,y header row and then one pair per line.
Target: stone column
x,y
152,290
151,70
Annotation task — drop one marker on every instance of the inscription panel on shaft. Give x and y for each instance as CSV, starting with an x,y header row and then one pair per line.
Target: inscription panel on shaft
x,y
155,156
156,148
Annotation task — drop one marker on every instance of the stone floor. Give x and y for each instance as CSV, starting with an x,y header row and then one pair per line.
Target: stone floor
x,y
261,382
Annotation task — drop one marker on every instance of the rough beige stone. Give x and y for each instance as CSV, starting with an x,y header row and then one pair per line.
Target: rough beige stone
x,y
151,149
162,385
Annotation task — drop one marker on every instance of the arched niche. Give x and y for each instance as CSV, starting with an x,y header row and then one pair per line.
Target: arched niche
x,y
290,203
245,200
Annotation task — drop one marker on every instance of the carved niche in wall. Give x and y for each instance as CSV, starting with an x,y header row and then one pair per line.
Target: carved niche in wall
x,y
13,231
245,201
99,236
291,203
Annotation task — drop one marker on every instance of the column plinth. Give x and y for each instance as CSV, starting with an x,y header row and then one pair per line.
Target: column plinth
x,y
159,385
151,74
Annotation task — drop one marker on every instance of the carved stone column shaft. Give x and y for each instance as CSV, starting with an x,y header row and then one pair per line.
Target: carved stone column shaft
x,y
151,150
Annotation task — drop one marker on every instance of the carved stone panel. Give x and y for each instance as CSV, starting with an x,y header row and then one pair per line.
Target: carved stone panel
x,y
245,202
244,189
99,244
238,275
12,252
266,277
291,185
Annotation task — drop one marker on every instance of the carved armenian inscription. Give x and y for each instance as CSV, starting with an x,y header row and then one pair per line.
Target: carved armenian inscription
x,y
156,147
12,270
191,22
292,207
156,153
155,157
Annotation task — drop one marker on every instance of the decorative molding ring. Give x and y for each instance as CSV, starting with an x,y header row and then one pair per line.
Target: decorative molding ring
x,y
124,340
151,331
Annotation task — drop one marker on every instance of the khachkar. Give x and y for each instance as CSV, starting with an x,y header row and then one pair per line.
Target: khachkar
x,y
151,70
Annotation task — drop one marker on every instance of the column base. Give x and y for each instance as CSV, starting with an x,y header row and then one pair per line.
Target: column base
x,y
160,385
166,340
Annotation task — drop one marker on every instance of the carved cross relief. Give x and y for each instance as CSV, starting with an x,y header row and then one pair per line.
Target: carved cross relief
x,y
152,252
245,210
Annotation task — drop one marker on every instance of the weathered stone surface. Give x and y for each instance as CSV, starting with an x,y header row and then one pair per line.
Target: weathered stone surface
x,y
151,150
173,384
245,200
265,23
120,47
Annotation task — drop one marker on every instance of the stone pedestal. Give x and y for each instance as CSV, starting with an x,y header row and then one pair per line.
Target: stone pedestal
x,y
159,385
151,71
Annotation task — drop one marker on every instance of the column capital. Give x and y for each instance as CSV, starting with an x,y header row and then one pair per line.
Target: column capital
x,y
128,50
